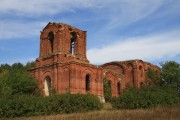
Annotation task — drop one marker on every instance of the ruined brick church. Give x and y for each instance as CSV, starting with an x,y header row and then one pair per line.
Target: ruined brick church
x,y
63,66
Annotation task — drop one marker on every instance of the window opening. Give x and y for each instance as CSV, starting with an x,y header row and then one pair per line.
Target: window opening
x,y
118,88
87,82
73,38
51,39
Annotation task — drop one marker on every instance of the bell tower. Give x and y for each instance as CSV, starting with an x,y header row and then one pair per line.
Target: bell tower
x,y
62,63
65,40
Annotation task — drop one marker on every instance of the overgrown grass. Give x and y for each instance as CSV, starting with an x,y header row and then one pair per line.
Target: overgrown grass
x,y
168,112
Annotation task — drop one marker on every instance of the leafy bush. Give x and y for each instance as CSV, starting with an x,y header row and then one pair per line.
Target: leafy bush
x,y
147,97
28,105
170,74
15,80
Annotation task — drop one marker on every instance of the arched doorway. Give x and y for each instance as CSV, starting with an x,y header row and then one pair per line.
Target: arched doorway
x,y
47,86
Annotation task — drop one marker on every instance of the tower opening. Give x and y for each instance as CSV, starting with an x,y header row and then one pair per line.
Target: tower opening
x,y
73,38
51,39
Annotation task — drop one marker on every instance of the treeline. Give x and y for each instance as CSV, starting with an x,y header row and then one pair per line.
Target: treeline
x,y
163,89
14,80
19,95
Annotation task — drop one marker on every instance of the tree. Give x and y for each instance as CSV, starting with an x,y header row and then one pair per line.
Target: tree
x,y
30,65
15,80
153,76
170,72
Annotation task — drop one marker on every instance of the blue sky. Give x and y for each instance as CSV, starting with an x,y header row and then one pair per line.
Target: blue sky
x,y
117,30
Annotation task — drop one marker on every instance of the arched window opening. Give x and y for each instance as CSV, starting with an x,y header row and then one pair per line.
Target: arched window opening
x,y
118,88
51,39
140,71
73,38
47,86
87,82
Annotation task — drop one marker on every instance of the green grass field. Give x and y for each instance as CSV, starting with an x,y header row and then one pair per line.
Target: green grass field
x,y
157,113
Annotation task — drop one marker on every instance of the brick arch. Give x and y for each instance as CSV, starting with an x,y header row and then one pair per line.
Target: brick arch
x,y
46,76
91,80
121,66
130,74
113,79
47,73
110,76
87,71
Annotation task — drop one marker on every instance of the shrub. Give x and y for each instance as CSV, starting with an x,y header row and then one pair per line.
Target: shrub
x,y
28,105
147,97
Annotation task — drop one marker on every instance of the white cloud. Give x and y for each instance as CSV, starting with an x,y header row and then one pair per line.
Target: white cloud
x,y
114,13
126,12
14,29
118,12
44,7
147,47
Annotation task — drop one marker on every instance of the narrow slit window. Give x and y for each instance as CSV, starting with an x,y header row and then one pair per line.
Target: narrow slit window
x,y
118,88
88,82
51,39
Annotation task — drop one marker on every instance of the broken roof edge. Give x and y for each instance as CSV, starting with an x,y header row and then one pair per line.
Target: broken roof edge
x,y
63,24
128,61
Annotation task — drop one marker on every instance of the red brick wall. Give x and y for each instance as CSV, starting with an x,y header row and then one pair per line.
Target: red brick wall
x,y
66,70
132,72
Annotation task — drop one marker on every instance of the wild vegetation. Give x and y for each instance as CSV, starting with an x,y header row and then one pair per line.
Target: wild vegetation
x,y
28,105
107,90
162,90
19,96
133,98
167,112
